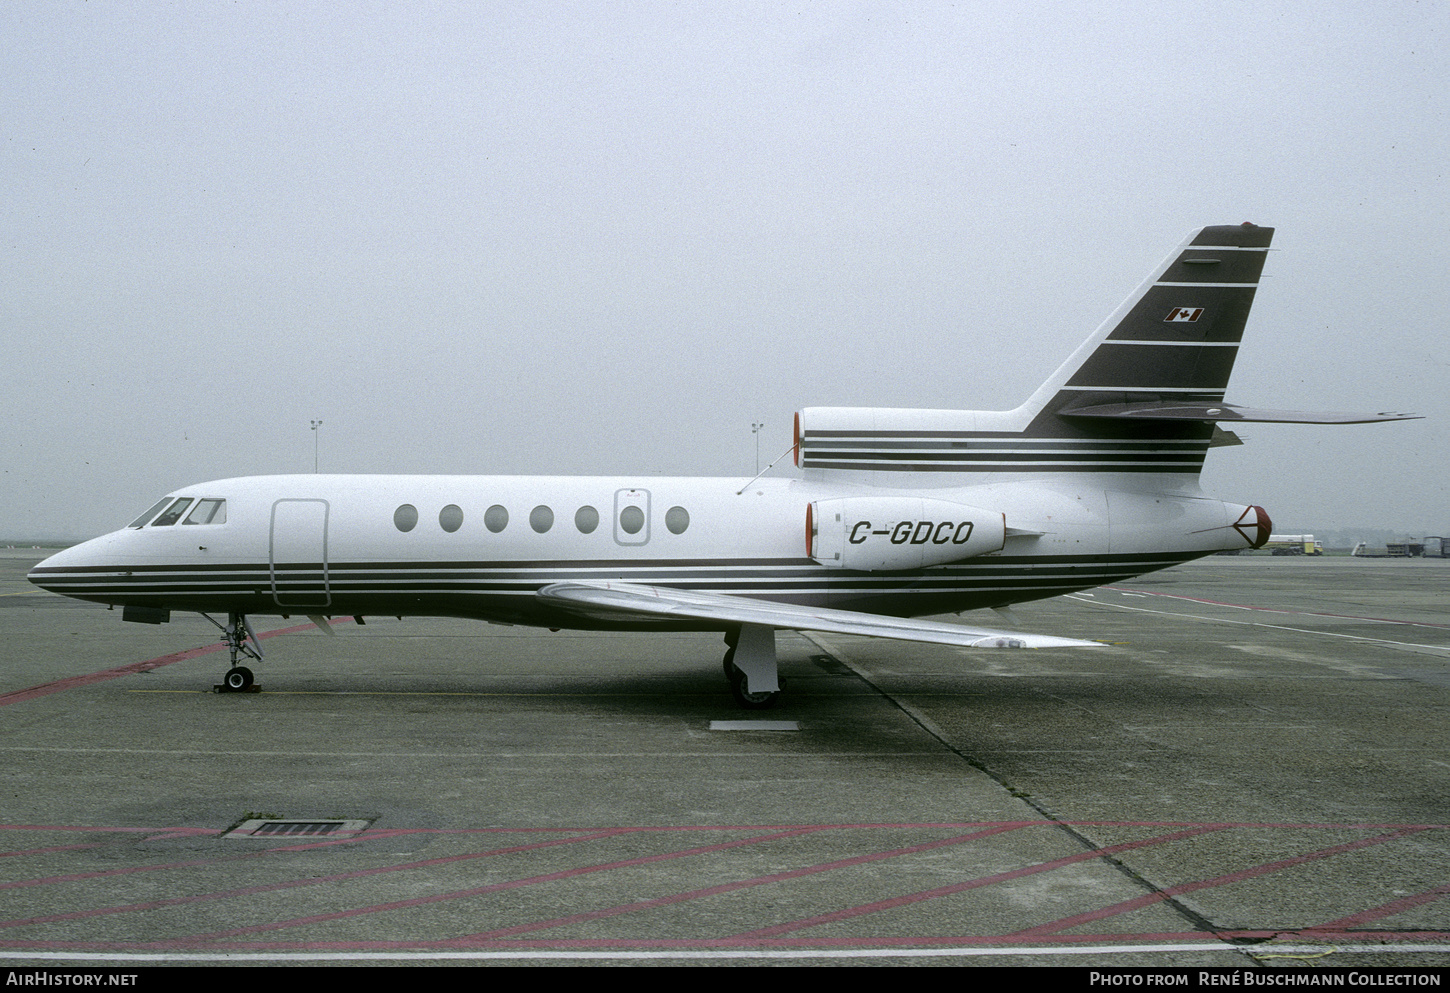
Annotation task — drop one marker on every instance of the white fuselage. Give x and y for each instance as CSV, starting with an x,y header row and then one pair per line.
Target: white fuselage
x,y
439,545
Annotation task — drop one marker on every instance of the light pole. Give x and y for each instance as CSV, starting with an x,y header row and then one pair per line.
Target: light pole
x,y
315,426
755,430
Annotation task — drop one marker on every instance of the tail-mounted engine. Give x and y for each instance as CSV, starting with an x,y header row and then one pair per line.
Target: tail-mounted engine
x,y
884,533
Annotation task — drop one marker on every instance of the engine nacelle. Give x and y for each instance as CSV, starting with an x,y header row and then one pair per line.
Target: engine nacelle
x,y
896,533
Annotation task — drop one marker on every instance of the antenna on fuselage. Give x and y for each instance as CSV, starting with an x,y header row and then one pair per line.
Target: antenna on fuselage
x,y
767,468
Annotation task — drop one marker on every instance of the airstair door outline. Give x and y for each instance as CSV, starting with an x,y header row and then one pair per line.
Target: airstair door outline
x,y
298,545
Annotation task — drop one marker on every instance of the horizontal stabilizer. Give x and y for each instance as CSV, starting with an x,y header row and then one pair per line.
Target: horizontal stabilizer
x,y
1169,411
1174,340
628,602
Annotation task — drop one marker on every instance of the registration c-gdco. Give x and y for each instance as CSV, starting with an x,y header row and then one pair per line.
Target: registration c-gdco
x,y
917,532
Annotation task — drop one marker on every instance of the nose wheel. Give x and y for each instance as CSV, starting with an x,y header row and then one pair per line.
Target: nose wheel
x,y
238,679
241,640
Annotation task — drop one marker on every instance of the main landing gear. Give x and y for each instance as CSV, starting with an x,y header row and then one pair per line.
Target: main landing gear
x,y
240,639
750,666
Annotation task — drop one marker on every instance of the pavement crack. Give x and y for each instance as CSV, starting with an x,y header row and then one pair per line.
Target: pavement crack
x,y
1196,920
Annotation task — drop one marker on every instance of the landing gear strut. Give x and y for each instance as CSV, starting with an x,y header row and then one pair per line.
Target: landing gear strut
x,y
240,639
750,666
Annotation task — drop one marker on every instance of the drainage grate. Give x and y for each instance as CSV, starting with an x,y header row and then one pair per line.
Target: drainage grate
x,y
277,828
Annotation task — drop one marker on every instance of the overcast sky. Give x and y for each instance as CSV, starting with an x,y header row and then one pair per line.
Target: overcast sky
x,y
607,237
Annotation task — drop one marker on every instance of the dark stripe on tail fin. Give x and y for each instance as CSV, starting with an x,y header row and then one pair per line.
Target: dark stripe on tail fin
x,y
1180,332
1174,340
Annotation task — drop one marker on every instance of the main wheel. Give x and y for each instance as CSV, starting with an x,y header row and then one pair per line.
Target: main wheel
x,y
237,679
746,699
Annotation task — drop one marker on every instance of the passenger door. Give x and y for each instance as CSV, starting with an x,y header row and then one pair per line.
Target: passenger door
x,y
299,553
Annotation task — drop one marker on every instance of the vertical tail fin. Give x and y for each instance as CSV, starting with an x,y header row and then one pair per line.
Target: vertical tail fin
x,y
1173,341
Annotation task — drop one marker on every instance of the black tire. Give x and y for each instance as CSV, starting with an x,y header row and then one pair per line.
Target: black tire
x,y
238,679
751,701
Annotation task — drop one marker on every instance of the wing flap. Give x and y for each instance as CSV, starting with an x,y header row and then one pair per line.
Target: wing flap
x,y
627,601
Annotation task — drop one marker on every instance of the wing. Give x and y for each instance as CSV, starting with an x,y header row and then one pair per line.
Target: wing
x,y
624,601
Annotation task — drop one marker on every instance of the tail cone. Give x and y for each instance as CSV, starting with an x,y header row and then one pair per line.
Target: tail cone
x,y
1255,526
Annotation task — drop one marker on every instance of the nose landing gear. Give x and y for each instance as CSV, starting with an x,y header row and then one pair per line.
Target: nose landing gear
x,y
240,639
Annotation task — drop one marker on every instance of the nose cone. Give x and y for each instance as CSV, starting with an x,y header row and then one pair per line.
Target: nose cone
x,y
43,571
66,571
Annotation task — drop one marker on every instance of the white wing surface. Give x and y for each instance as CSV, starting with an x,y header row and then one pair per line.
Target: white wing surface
x,y
625,601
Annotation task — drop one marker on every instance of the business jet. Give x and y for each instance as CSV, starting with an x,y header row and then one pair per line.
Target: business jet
x,y
896,514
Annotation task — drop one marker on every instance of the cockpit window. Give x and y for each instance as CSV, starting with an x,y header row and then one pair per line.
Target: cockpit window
x,y
173,513
141,521
208,512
